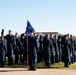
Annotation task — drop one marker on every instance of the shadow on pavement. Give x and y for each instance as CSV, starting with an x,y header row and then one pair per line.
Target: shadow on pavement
x,y
11,70
47,67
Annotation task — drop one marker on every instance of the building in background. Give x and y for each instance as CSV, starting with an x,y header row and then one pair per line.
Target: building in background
x,y
53,33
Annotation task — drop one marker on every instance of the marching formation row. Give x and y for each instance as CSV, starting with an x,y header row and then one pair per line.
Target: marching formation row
x,y
48,48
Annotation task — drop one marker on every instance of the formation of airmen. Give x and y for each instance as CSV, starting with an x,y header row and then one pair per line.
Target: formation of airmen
x,y
49,49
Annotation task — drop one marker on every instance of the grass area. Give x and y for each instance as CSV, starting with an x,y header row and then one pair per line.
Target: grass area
x,y
42,66
59,65
73,66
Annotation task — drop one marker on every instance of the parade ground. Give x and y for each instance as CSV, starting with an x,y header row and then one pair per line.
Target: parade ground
x,y
56,69
24,71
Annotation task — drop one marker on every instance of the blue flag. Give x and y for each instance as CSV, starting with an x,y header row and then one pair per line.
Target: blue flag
x,y
29,28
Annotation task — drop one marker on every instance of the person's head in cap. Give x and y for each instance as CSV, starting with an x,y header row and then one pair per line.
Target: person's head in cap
x,y
2,37
31,33
22,35
59,38
66,37
55,36
16,35
10,32
47,36
51,35
71,36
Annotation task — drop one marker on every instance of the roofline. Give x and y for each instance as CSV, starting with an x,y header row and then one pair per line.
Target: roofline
x,y
47,32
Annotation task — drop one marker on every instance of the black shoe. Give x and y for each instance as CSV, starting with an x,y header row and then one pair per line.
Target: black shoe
x,y
69,63
48,66
17,63
31,69
66,66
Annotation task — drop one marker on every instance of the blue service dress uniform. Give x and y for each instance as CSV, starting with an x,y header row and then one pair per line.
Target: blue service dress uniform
x,y
65,52
47,51
2,53
40,56
60,48
32,52
11,43
17,50
55,44
72,49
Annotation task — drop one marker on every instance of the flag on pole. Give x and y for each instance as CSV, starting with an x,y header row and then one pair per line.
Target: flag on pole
x,y
29,28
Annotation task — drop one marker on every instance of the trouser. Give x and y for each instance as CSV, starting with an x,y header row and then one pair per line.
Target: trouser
x,y
21,57
39,57
47,61
16,58
57,57
66,64
52,58
25,56
72,59
74,56
10,56
32,63
10,60
2,64
60,56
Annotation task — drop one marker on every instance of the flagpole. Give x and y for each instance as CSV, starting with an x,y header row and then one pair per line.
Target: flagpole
x,y
29,26
27,50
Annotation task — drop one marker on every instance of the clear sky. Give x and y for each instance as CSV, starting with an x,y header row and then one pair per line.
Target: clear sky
x,y
44,15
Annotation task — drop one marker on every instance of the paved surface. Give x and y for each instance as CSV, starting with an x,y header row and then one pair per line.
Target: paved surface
x,y
23,71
